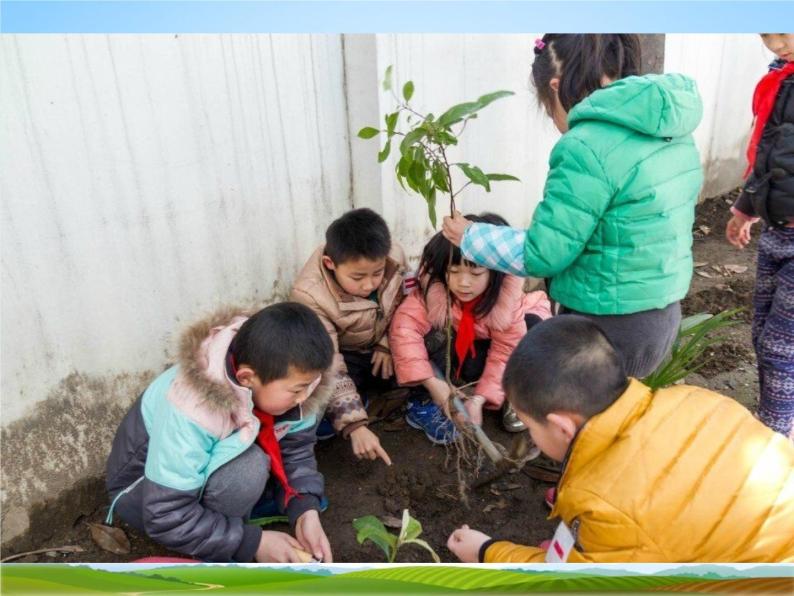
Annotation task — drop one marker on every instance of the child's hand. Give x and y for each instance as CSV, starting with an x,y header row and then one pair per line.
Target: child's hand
x,y
473,407
738,231
439,392
278,547
454,228
311,535
366,444
465,544
382,362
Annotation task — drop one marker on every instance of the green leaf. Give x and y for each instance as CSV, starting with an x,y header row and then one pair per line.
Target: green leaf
x,y
385,152
371,528
695,336
458,112
484,100
440,177
416,176
368,132
431,209
408,90
387,78
411,528
445,138
391,122
476,175
691,321
496,177
426,546
411,138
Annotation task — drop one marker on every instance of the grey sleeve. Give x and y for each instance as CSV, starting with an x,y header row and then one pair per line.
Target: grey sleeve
x,y
300,465
177,520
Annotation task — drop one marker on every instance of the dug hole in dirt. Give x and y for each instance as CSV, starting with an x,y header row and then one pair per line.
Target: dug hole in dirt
x,y
423,477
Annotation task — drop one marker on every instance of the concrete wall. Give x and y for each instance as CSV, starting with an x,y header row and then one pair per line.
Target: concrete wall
x,y
147,179
726,68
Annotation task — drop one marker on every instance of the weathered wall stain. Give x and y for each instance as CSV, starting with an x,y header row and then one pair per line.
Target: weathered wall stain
x,y
65,440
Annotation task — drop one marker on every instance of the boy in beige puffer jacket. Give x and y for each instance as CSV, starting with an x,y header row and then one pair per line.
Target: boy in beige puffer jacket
x,y
354,282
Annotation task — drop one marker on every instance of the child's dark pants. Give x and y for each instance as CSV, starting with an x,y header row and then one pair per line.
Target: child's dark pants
x,y
233,489
773,328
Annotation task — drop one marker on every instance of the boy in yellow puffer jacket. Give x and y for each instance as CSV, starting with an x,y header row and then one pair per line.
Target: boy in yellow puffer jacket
x,y
682,474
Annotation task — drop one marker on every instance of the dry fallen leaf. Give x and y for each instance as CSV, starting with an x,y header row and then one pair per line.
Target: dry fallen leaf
x,y
704,274
510,486
495,491
736,268
500,504
113,540
705,229
391,522
697,264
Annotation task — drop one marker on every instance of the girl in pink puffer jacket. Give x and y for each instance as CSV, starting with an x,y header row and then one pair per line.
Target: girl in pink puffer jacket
x,y
490,314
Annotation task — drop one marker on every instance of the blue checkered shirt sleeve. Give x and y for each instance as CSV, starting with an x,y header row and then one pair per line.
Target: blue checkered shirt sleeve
x,y
495,247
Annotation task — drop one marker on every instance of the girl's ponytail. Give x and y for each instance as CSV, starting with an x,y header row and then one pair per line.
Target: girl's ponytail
x,y
581,62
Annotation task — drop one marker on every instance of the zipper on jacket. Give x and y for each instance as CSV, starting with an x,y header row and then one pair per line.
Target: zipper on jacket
x,y
109,518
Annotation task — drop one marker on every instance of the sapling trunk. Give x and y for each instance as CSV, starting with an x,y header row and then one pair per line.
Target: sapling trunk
x,y
424,168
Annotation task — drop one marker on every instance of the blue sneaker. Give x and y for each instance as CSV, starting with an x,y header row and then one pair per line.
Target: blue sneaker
x,y
429,418
325,430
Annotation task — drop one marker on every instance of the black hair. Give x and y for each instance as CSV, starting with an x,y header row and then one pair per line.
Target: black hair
x,y
580,61
566,364
435,260
279,336
360,233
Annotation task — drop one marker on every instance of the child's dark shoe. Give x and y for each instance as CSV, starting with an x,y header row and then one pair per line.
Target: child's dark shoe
x,y
429,418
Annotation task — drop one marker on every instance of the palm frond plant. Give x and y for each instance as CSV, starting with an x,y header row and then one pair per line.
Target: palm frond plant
x,y
696,334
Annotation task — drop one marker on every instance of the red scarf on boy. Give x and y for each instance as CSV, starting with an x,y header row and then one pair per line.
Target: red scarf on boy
x,y
763,103
267,440
269,443
464,342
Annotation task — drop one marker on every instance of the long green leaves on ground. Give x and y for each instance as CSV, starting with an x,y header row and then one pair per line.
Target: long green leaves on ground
x,y
696,334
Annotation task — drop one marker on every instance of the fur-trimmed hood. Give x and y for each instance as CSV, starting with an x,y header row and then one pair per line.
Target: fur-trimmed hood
x,y
202,359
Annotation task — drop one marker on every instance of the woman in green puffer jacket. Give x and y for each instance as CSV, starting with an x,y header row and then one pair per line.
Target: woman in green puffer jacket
x,y
613,233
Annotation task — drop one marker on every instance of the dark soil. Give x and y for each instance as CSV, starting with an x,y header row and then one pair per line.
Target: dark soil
x,y
423,478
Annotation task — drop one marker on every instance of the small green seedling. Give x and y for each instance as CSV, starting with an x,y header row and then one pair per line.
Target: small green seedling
x,y
371,528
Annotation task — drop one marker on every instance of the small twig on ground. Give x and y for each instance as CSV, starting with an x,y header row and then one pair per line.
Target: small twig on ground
x,y
69,548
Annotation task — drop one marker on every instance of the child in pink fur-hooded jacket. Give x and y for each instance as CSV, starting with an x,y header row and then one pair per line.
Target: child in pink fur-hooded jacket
x,y
490,315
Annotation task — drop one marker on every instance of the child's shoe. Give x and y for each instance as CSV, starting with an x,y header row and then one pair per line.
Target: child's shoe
x,y
510,421
428,417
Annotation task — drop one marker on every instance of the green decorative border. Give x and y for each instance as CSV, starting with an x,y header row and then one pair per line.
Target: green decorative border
x,y
139,580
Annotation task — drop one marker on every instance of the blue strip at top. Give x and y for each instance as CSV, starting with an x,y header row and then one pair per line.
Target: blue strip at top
x,y
390,16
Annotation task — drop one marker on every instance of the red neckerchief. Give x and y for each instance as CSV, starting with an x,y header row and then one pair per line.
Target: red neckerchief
x,y
763,103
464,342
269,443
